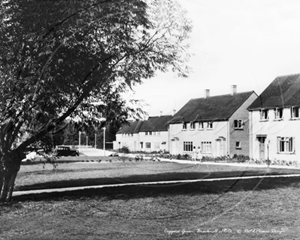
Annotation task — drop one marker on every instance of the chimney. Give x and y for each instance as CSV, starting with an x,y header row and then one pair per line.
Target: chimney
x,y
174,111
207,93
160,113
233,89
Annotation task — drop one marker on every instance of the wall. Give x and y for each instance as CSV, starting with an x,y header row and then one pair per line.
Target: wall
x,y
273,129
133,142
241,135
156,140
178,136
127,140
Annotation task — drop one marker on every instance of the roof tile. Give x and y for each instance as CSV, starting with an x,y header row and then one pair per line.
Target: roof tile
x,y
215,108
284,91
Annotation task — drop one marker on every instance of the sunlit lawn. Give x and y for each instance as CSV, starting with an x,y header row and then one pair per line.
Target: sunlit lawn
x,y
239,209
252,209
41,176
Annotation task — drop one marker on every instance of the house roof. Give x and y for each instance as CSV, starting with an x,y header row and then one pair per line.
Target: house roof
x,y
153,124
215,108
132,127
156,124
284,91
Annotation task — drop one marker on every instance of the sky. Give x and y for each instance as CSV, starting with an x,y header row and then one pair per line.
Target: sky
x,y
247,43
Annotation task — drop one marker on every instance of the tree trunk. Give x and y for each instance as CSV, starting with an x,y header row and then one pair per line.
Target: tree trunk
x,y
10,165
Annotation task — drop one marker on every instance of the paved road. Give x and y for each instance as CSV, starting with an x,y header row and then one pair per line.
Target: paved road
x,y
94,152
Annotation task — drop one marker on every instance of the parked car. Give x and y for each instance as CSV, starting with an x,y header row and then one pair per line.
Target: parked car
x,y
66,151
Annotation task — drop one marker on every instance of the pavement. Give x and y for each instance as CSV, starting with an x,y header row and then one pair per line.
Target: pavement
x,y
94,152
232,164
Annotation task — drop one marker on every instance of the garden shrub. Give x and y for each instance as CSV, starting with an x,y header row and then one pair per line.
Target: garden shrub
x,y
124,149
240,158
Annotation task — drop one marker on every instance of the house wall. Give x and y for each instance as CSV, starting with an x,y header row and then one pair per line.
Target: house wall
x,y
127,140
240,135
158,141
272,129
178,136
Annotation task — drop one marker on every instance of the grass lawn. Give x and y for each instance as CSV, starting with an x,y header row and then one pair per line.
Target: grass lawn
x,y
240,209
39,176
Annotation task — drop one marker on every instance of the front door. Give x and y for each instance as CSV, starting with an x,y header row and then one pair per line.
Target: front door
x,y
219,148
174,147
261,141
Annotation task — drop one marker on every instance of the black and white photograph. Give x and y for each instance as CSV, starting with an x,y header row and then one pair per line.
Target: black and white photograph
x,y
149,119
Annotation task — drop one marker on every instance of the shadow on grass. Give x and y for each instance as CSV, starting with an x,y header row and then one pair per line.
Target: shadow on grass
x,y
153,190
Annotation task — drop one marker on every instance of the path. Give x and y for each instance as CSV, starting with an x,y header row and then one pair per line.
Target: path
x,y
94,152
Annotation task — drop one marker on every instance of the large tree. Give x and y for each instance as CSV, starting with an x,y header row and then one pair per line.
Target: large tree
x,y
56,55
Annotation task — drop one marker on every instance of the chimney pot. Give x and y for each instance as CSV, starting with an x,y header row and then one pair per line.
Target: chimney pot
x,y
207,93
234,89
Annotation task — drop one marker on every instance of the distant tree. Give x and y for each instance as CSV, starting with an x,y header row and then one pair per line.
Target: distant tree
x,y
56,56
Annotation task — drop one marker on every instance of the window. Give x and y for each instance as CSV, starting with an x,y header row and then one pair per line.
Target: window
x,y
146,133
148,145
238,145
201,125
141,145
210,125
187,146
192,125
150,133
184,126
238,124
285,144
264,114
278,113
206,147
295,112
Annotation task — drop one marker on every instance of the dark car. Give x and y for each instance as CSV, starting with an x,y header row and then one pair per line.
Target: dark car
x,y
66,151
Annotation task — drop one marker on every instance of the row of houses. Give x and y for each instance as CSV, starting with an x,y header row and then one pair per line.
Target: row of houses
x,y
261,127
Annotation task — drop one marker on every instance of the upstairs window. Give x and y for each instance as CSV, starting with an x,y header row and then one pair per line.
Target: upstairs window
x,y
295,112
201,125
184,126
192,125
238,124
209,125
238,145
264,114
278,113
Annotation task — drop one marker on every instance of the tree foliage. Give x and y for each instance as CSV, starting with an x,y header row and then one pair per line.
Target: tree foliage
x,y
57,56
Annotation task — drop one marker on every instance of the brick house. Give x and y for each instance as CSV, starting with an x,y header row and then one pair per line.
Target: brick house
x,y
216,125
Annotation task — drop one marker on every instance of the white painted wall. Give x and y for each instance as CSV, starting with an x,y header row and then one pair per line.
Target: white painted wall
x,y
156,141
128,140
274,129
178,135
